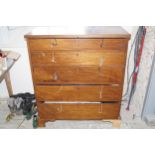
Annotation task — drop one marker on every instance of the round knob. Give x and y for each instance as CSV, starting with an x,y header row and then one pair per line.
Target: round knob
x,y
53,58
43,54
53,42
55,77
101,61
102,43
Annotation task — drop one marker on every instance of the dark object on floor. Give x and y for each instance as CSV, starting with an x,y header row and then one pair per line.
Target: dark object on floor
x,y
35,121
22,104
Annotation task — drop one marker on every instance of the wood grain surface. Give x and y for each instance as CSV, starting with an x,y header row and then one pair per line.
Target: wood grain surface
x,y
78,93
79,111
75,44
82,64
78,74
79,58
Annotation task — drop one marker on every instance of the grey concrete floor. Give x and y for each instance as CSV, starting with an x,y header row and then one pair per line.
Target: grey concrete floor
x,y
20,122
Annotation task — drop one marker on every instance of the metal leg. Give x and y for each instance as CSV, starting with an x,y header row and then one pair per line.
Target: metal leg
x,y
8,83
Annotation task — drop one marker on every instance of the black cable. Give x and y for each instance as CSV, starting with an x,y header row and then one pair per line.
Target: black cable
x,y
136,42
129,78
141,34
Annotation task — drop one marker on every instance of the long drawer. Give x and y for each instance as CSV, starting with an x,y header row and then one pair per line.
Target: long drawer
x,y
72,44
78,58
79,111
78,75
78,93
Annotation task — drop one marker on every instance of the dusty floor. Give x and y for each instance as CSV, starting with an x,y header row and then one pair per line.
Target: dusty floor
x,y
17,122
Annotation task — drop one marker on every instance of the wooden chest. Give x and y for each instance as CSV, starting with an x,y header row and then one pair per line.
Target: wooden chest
x,y
78,72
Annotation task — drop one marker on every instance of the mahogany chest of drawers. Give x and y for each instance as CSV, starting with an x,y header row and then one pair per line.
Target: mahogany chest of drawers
x,y
78,72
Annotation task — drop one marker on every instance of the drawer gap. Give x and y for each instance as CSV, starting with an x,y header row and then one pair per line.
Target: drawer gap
x,y
44,84
52,102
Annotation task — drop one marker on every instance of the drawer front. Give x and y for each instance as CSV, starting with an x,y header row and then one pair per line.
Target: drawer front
x,y
79,58
79,111
72,44
52,44
78,75
113,44
78,93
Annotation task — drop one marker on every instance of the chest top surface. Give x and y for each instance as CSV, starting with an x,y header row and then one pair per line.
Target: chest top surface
x,y
79,32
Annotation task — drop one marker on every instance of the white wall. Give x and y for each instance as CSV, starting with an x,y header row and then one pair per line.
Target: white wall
x,y
12,38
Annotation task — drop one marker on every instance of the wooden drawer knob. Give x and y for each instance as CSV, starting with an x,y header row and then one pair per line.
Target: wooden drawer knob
x,y
60,108
55,76
43,54
53,42
101,61
102,43
101,93
100,109
53,58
